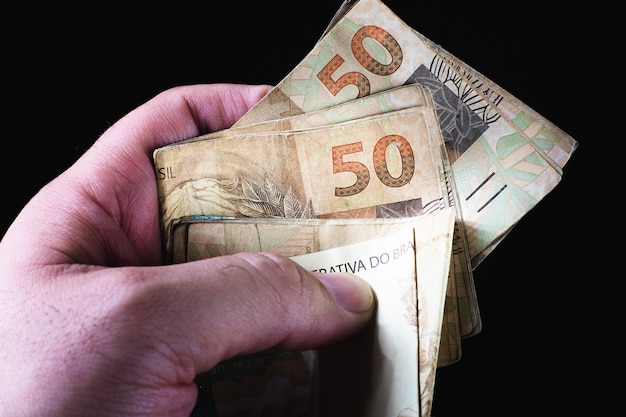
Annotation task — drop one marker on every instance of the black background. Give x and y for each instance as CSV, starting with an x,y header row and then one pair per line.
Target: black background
x,y
71,73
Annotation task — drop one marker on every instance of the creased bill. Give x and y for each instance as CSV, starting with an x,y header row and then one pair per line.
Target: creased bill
x,y
264,173
191,196
499,177
379,166
386,101
406,261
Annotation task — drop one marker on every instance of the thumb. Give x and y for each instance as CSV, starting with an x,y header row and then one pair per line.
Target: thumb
x,y
137,333
217,308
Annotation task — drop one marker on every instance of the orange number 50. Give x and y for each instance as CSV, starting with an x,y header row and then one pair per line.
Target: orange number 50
x,y
380,164
363,58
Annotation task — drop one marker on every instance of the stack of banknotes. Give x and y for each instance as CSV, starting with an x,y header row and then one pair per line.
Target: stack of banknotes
x,y
379,154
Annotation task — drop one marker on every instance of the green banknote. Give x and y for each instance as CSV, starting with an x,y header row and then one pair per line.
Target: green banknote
x,y
500,173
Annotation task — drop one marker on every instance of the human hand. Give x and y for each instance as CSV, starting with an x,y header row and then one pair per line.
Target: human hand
x,y
92,324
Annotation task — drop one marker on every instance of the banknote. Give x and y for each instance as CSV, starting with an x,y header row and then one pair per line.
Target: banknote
x,y
386,101
464,310
199,237
192,198
526,159
499,176
406,262
379,166
496,158
273,383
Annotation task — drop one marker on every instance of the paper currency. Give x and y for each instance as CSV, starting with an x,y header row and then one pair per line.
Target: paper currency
x,y
406,262
374,165
462,313
191,190
500,173
386,101
273,383
497,158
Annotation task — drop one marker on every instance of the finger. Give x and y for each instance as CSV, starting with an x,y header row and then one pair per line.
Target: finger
x,y
124,151
217,308
109,193
184,112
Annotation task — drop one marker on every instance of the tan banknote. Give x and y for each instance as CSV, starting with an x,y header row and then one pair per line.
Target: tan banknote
x,y
462,311
499,176
386,101
406,262
462,314
189,195
368,167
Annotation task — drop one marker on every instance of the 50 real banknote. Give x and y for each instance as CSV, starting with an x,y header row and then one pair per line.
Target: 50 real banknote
x,y
418,182
376,122
505,156
406,262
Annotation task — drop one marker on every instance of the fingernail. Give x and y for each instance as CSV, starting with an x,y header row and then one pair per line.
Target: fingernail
x,y
351,292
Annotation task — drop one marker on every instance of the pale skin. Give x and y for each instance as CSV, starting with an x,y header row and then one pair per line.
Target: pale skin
x,y
92,323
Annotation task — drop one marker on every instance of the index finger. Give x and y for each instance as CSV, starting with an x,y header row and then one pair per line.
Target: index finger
x,y
184,112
